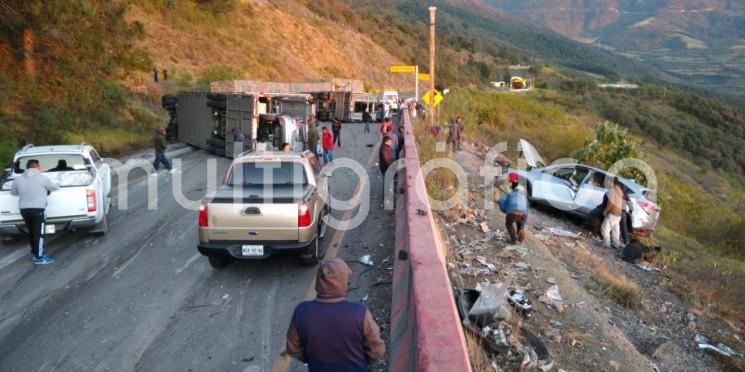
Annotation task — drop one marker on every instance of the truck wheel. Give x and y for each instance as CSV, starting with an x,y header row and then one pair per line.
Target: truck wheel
x,y
218,262
102,227
311,258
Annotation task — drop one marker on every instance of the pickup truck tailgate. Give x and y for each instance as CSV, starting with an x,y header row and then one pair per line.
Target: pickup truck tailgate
x,y
62,204
253,222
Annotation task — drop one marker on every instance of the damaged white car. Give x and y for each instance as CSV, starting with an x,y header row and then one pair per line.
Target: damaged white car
x,y
578,189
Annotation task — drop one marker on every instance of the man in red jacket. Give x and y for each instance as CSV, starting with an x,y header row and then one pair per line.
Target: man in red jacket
x,y
328,146
385,125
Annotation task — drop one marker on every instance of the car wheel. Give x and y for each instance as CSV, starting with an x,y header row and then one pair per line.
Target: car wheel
x,y
102,227
311,258
218,262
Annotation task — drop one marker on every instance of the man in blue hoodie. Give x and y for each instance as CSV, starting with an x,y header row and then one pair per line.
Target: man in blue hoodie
x,y
515,206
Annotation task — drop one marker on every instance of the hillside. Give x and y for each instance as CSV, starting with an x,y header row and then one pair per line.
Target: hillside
x,y
85,67
699,41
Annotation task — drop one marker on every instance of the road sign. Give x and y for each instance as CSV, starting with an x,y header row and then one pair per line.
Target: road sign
x,y
427,99
423,77
403,68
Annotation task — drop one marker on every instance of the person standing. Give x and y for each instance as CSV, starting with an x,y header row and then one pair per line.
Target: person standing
x,y
165,74
515,206
155,73
313,137
385,126
386,155
366,118
611,227
394,141
331,333
459,132
159,141
336,128
32,189
400,146
328,146
453,135
239,141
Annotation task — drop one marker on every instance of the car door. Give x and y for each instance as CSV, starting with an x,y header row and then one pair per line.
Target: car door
x,y
590,193
554,187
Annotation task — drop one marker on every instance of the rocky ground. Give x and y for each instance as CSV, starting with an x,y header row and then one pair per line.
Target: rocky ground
x,y
592,310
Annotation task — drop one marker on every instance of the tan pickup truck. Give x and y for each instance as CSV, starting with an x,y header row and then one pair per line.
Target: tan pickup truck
x,y
270,203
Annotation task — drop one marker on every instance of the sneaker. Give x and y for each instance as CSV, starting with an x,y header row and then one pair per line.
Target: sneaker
x,y
43,260
174,170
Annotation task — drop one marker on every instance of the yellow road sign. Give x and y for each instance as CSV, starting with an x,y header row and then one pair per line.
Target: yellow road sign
x,y
403,68
423,77
427,99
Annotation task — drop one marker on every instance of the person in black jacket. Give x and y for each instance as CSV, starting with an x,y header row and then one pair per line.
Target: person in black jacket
x,y
336,130
400,146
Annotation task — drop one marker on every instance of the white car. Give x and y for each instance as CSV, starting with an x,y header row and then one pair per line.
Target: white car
x,y
83,200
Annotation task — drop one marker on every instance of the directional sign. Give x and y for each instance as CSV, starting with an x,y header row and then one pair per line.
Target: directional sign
x,y
427,99
423,77
403,68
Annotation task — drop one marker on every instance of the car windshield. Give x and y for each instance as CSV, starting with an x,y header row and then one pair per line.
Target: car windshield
x,y
267,173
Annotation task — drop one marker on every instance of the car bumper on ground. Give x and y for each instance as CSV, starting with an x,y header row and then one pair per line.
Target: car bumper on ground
x,y
234,249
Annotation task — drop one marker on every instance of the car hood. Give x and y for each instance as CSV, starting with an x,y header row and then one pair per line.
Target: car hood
x,y
531,155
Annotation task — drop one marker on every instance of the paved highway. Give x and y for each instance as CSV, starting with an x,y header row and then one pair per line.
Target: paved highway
x,y
142,298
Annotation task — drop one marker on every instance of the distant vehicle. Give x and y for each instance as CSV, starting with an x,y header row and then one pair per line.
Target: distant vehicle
x,y
388,97
273,213
578,189
81,203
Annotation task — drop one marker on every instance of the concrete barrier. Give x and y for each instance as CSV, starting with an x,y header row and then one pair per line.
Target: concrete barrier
x,y
426,333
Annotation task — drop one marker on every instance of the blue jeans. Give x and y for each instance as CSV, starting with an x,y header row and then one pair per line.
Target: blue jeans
x,y
328,156
161,159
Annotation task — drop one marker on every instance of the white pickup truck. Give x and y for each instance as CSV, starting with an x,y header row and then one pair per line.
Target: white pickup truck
x,y
83,200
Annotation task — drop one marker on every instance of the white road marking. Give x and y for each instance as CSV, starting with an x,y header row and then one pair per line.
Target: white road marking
x,y
188,262
13,257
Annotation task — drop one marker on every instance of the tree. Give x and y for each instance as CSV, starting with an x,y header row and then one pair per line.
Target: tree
x,y
610,145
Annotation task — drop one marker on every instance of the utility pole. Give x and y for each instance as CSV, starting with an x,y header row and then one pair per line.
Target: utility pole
x,y
416,84
432,11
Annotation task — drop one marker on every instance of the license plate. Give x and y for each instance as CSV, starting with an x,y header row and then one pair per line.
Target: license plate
x,y
49,229
253,250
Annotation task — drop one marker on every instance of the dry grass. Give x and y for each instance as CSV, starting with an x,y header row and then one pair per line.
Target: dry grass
x,y
479,361
614,284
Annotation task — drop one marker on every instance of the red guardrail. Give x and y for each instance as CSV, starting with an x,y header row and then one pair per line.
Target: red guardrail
x,y
426,333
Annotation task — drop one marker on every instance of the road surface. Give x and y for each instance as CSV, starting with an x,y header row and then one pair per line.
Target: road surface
x,y
142,298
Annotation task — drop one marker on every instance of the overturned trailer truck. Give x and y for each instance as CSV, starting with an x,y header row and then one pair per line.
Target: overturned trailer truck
x,y
207,120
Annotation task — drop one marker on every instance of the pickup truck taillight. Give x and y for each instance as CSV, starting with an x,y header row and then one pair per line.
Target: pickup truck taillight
x,y
91,198
303,215
203,216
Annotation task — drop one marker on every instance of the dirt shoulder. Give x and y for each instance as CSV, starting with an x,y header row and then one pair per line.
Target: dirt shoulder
x,y
612,316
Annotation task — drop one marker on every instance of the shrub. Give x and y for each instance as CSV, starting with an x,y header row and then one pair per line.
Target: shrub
x,y
218,72
610,145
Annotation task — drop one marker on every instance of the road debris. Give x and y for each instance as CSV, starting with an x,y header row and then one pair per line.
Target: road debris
x,y
366,260
484,227
491,305
564,233
550,280
522,305
553,298
225,296
722,349
490,266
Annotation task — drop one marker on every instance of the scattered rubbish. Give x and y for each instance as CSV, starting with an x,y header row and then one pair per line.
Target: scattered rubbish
x,y
366,260
564,233
484,227
538,226
516,248
488,265
722,349
538,348
490,305
547,367
522,266
553,298
497,337
647,268
530,359
466,299
700,339
615,365
462,221
522,305
364,299
225,296
541,237
551,280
